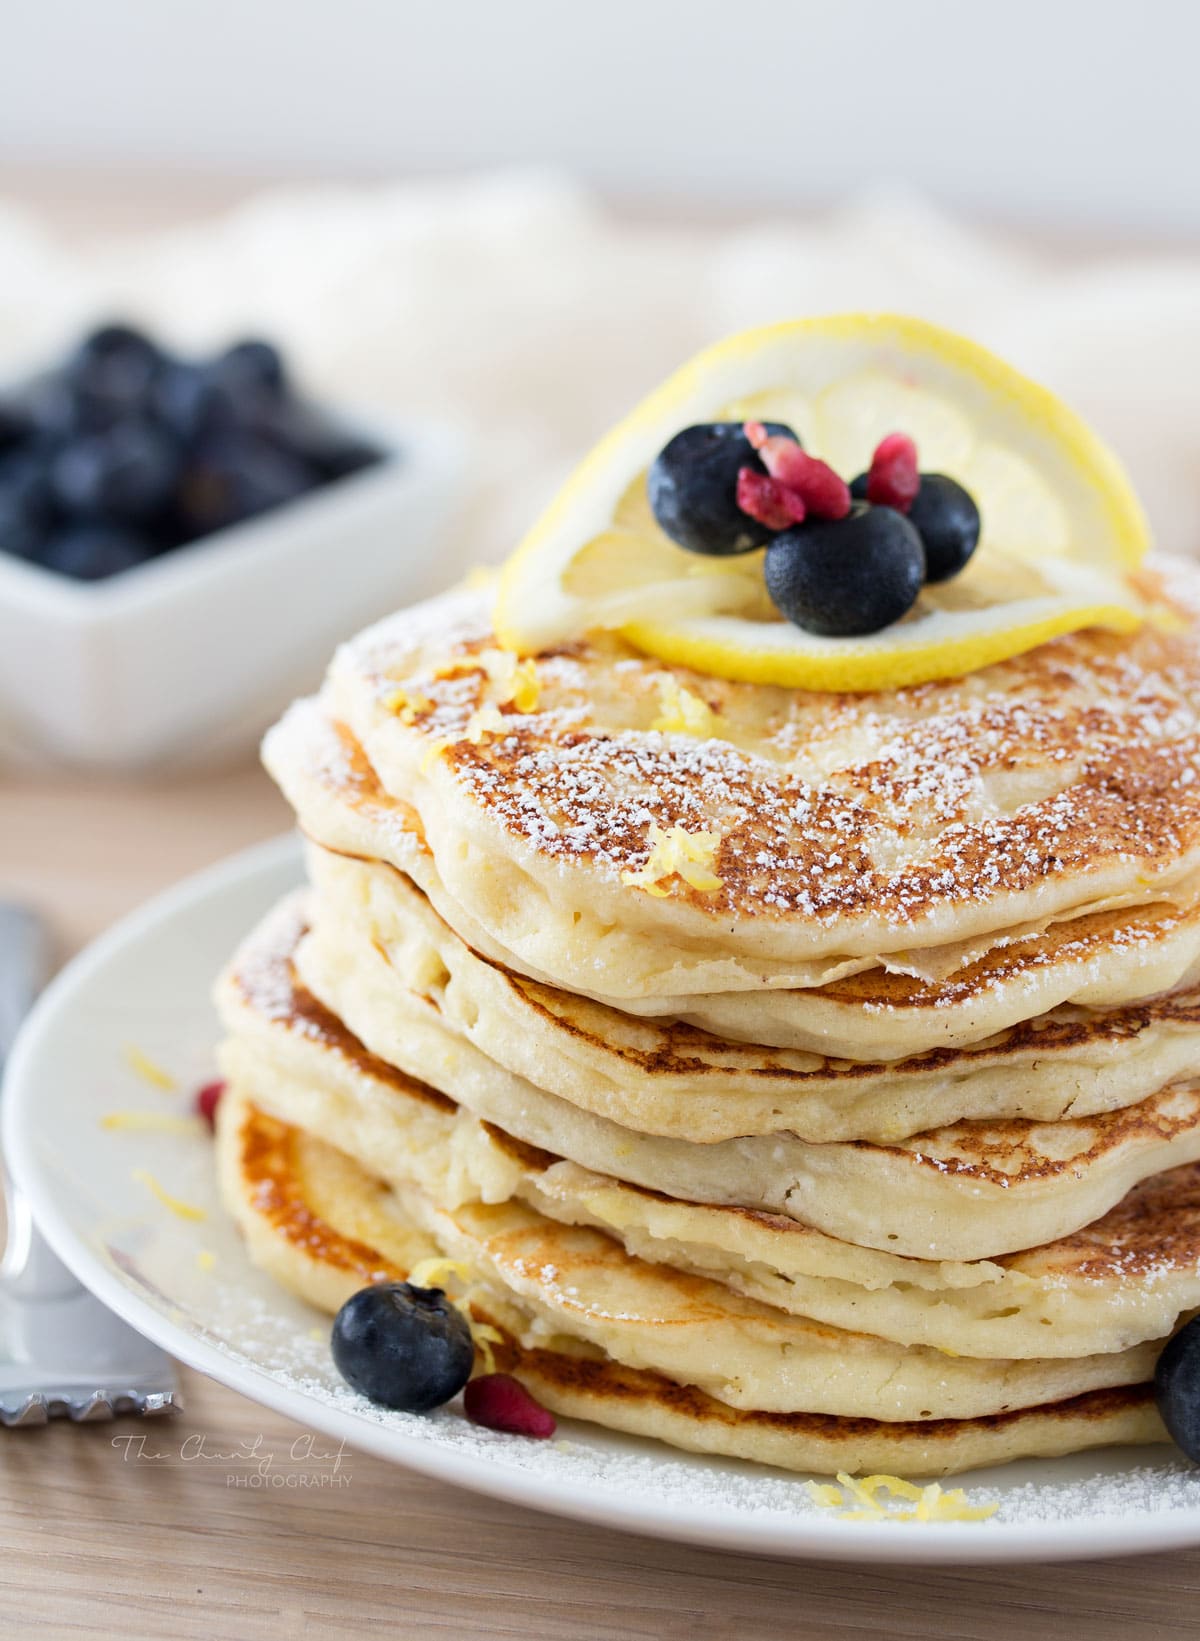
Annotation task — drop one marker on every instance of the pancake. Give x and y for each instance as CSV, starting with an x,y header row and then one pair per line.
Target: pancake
x,y
968,1191
843,827
567,1280
323,1226
669,1078
1104,956
1119,1283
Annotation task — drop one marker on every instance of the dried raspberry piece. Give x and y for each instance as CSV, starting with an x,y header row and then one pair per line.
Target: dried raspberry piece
x,y
207,1099
765,499
893,480
498,1402
823,492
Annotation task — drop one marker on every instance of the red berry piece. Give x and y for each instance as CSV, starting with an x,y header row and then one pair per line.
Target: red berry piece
x,y
766,500
498,1402
207,1100
824,493
893,480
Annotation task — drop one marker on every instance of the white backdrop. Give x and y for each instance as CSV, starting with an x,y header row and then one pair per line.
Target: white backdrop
x,y
1069,114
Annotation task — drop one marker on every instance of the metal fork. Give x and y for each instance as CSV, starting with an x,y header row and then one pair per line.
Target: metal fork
x,y
62,1353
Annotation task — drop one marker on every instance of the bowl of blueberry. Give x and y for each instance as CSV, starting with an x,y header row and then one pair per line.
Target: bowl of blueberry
x,y
183,539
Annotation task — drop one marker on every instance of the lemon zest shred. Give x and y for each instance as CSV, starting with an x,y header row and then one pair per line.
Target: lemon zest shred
x,y
184,1210
485,1336
927,1504
149,1070
863,1491
516,681
857,1499
682,712
676,853
895,1485
406,705
150,1122
432,1272
432,753
527,686
205,1259
486,720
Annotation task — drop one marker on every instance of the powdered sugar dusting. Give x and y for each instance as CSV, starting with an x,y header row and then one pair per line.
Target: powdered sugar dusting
x,y
1076,760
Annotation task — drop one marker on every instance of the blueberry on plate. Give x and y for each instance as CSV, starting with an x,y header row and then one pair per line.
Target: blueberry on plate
x,y
948,521
692,487
122,475
841,577
1177,1388
403,1347
90,550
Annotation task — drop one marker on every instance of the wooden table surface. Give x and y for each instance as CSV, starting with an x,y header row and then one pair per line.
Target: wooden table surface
x,y
97,1540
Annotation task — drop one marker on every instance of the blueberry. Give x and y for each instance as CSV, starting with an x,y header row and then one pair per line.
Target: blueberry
x,y
403,1347
251,370
948,521
693,488
111,373
330,448
54,411
1177,1388
15,425
93,551
186,401
233,476
122,475
843,576
244,387
26,508
117,350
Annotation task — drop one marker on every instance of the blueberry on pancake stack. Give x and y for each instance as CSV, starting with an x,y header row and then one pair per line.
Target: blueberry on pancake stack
x,y
754,950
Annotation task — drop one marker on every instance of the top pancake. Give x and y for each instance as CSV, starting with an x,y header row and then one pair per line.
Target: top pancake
x,y
846,828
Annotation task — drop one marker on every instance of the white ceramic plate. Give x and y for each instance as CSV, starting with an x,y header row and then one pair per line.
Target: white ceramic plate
x,y
146,985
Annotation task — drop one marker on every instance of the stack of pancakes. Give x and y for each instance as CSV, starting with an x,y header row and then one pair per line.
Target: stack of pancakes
x,y
800,1077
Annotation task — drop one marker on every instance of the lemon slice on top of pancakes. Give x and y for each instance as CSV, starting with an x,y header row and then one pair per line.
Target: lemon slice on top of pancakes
x,y
1061,527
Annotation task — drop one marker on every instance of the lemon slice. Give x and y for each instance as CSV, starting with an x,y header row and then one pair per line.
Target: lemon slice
x,y
1061,524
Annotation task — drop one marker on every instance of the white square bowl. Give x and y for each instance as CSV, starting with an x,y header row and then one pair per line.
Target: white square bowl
x,y
187,658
